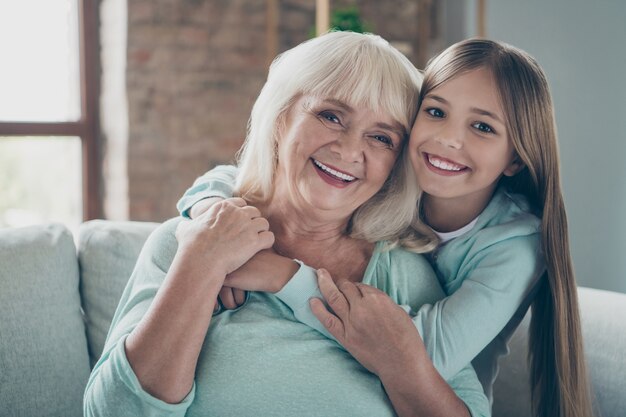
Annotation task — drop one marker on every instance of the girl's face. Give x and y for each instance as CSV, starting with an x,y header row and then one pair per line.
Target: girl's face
x,y
334,157
459,145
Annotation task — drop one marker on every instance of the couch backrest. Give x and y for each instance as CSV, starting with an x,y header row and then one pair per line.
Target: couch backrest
x,y
44,364
107,252
44,360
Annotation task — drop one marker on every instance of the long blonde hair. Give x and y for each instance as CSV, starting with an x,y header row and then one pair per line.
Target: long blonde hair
x,y
559,384
360,70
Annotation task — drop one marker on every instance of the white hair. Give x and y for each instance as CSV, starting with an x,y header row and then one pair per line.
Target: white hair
x,y
361,70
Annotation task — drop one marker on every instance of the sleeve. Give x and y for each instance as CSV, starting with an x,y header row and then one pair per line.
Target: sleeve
x,y
299,290
468,388
113,388
297,293
495,283
218,182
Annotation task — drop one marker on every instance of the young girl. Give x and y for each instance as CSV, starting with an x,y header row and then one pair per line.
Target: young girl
x,y
484,152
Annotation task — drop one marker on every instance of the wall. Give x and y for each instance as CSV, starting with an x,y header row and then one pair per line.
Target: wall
x,y
580,45
193,70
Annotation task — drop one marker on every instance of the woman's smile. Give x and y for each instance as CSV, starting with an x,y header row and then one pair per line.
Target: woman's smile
x,y
333,176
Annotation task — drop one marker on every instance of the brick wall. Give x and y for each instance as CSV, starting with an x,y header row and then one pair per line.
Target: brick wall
x,y
194,68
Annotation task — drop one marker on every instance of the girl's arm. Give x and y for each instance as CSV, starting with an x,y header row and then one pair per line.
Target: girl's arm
x,y
457,328
492,287
484,296
150,357
218,182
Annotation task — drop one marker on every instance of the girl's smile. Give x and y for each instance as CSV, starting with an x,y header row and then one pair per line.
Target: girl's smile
x,y
444,166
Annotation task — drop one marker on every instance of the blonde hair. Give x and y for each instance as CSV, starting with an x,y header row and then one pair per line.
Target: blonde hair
x,y
559,384
360,70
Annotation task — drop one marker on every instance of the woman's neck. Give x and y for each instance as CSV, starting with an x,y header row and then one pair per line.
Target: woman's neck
x,y
290,222
318,241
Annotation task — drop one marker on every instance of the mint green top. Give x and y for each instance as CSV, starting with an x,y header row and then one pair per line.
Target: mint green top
x,y
489,273
259,360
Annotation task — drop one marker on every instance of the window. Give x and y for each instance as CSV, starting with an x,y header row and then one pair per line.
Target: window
x,y
48,111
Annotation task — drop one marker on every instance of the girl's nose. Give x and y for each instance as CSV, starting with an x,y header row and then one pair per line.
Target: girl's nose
x,y
451,136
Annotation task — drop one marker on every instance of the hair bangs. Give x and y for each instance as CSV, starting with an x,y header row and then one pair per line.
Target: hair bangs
x,y
370,76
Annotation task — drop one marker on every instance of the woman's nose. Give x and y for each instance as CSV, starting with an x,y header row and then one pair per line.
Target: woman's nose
x,y
349,146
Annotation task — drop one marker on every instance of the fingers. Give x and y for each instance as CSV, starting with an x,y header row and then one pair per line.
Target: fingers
x,y
367,289
350,291
261,224
332,323
239,296
227,298
266,240
231,298
236,201
333,296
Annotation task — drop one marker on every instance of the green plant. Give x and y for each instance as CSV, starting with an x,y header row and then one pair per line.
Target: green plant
x,y
346,19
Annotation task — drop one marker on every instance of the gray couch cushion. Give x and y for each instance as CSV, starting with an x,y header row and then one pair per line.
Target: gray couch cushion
x,y
44,364
603,315
107,252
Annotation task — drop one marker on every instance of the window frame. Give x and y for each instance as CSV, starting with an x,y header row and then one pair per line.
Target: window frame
x,y
87,128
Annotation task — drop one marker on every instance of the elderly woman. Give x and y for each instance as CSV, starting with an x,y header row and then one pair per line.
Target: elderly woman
x,y
322,159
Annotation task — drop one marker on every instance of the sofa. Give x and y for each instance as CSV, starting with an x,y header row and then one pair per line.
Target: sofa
x,y
57,298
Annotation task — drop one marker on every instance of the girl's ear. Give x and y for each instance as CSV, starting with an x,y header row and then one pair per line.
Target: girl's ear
x,y
514,167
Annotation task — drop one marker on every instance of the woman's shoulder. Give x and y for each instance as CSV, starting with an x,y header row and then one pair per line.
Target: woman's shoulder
x,y
161,245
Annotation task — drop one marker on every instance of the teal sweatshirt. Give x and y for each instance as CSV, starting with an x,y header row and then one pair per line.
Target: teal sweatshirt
x,y
259,360
489,274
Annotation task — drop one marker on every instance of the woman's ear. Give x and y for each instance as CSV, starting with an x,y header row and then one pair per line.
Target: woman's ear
x,y
515,166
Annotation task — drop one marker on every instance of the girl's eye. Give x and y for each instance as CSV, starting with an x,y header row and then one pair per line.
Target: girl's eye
x,y
435,112
483,127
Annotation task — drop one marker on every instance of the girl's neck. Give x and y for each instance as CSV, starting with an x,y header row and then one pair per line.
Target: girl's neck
x,y
450,214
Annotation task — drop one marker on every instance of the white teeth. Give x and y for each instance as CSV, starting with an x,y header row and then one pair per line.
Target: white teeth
x,y
444,165
340,175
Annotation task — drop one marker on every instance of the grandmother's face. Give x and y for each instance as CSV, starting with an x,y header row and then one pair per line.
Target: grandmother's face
x,y
334,157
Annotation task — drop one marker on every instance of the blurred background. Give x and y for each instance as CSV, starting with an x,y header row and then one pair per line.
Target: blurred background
x,y
111,108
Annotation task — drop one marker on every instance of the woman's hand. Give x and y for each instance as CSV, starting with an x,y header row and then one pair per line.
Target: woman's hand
x,y
374,329
381,336
230,231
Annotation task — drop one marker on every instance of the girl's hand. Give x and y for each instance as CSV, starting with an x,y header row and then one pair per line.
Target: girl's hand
x,y
375,330
265,271
225,236
230,298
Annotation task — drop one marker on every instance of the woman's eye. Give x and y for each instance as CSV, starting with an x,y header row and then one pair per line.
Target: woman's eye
x,y
435,112
331,117
483,127
386,140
